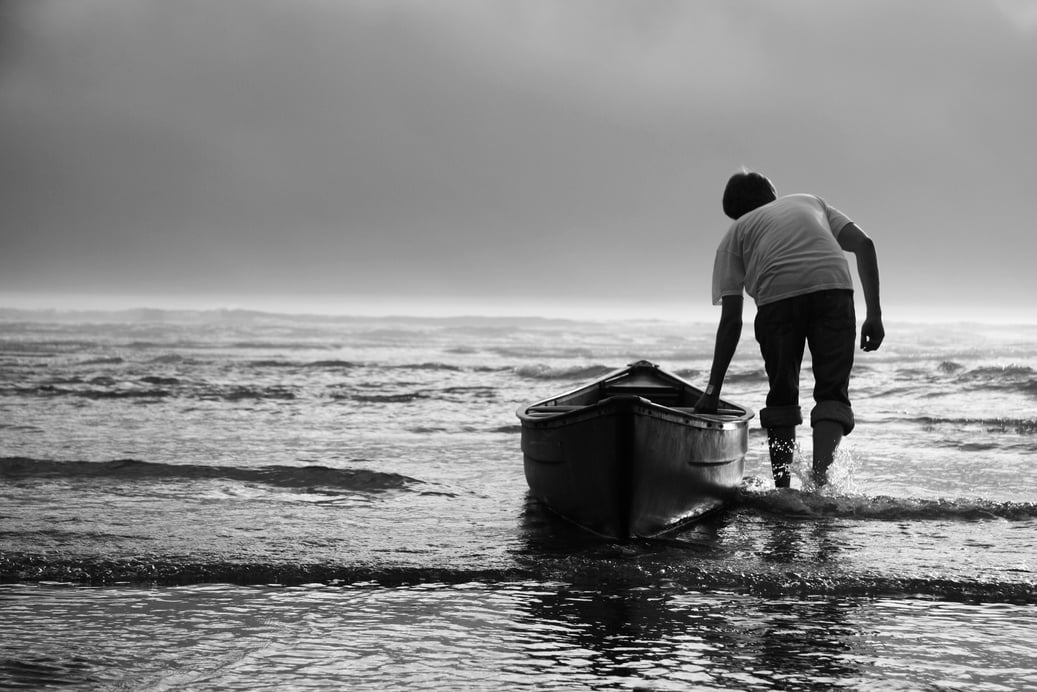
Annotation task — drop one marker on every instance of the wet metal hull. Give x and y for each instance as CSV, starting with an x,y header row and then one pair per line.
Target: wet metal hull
x,y
625,466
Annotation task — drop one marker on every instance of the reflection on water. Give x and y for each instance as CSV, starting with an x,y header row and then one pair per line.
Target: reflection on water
x,y
768,554
655,639
658,637
542,533
794,541
503,636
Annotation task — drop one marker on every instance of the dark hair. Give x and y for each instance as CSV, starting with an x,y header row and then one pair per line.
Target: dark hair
x,y
746,191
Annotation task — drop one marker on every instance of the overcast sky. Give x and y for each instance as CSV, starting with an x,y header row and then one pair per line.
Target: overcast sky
x,y
504,152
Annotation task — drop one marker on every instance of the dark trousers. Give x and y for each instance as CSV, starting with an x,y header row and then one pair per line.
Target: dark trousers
x,y
824,321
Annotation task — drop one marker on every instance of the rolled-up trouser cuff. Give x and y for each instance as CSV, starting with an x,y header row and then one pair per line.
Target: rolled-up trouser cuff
x,y
780,416
835,411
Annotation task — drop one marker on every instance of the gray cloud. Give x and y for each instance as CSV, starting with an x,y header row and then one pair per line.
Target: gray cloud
x,y
501,148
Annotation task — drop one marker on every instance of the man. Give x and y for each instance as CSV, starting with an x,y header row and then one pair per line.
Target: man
x,y
788,255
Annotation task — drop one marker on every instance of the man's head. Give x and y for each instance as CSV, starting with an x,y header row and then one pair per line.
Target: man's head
x,y
746,191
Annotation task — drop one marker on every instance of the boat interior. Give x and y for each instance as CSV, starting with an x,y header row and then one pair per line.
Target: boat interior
x,y
642,380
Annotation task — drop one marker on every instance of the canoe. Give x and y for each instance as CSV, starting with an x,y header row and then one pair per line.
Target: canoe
x,y
626,456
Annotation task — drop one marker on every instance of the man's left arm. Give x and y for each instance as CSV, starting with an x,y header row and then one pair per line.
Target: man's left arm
x,y
852,239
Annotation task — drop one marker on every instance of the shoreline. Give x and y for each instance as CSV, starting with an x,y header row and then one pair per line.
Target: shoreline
x,y
586,572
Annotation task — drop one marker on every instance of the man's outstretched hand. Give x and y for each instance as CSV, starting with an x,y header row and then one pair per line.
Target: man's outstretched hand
x,y
872,334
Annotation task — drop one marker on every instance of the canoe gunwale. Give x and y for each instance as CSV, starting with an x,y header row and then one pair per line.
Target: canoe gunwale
x,y
685,415
642,406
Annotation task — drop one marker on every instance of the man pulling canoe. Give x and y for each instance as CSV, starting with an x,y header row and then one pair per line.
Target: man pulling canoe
x,y
788,254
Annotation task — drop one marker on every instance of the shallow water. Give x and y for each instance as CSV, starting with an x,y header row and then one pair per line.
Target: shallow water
x,y
191,475
513,635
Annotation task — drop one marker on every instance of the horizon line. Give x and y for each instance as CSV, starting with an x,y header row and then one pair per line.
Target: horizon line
x,y
449,307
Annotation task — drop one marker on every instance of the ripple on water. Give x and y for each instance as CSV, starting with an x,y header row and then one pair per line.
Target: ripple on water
x,y
514,635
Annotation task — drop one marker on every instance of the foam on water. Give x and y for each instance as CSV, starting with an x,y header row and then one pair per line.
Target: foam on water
x,y
831,503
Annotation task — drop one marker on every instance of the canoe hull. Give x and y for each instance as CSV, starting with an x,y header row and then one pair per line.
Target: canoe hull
x,y
627,467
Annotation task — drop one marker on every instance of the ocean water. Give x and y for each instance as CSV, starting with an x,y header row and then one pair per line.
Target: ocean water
x,y
221,501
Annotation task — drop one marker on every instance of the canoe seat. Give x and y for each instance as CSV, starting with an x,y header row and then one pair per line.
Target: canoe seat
x,y
721,412
552,409
660,394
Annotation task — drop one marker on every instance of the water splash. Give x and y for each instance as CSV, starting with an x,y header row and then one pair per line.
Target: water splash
x,y
841,474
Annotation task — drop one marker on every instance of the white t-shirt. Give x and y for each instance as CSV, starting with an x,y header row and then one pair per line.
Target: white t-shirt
x,y
782,249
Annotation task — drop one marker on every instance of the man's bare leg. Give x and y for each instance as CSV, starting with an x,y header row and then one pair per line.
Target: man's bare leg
x,y
781,442
827,436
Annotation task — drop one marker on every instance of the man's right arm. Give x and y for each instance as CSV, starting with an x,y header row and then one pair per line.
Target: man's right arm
x,y
852,239
729,331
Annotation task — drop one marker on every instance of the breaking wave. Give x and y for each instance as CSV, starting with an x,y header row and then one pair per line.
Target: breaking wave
x,y
101,388
310,477
402,398
793,503
102,361
317,364
1011,378
1020,426
352,365
573,372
